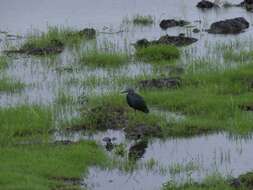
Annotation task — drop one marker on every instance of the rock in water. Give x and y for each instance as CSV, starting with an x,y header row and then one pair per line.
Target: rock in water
x,y
229,26
164,24
206,4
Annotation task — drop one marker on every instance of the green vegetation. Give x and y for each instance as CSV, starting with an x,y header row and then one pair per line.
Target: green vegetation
x,y
45,166
53,40
143,20
214,182
241,56
156,53
10,85
211,101
24,121
103,59
3,62
28,159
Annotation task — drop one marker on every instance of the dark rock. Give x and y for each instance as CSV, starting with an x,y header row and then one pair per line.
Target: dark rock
x,y
195,30
142,43
164,24
137,150
171,82
229,26
206,4
142,130
89,33
176,40
248,4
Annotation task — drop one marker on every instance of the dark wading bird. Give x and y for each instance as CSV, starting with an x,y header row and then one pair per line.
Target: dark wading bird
x,y
135,101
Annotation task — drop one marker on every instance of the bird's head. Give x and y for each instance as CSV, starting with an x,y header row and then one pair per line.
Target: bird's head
x,y
128,90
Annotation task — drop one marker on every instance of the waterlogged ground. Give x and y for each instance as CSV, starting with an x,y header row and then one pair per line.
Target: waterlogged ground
x,y
64,86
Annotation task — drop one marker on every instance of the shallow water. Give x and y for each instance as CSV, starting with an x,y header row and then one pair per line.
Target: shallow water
x,y
47,78
204,155
177,159
45,83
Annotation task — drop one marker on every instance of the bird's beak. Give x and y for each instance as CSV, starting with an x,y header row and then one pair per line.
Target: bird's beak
x,y
125,91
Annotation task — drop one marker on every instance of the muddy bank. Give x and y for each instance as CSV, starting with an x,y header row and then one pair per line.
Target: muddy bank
x,y
107,117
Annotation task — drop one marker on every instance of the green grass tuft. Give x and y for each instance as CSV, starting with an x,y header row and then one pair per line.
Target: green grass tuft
x,y
158,53
143,20
103,59
3,62
29,167
10,85
55,37
24,121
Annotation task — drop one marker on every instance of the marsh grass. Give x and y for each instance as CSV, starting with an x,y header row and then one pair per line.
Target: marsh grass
x,y
215,181
143,20
45,166
210,101
103,59
3,62
241,56
157,53
24,121
9,85
53,38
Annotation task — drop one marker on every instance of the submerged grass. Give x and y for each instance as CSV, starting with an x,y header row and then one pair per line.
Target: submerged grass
x,y
155,53
46,167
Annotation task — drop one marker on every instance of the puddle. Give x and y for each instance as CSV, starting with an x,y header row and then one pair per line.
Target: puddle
x,y
178,160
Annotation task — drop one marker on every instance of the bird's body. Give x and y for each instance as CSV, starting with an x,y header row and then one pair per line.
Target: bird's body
x,y
135,101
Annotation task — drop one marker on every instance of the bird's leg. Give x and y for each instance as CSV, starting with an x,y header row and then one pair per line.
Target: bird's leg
x,y
135,111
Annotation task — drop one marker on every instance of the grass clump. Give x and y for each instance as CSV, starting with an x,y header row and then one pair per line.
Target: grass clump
x,y
143,20
154,53
45,166
3,62
241,56
211,101
53,41
103,59
9,85
213,182
24,121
